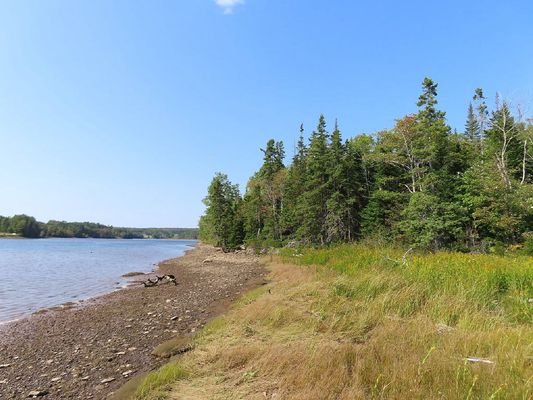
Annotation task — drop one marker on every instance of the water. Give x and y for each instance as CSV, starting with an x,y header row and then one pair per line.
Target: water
x,y
41,273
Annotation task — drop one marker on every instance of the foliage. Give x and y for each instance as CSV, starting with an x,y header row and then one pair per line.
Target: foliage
x,y
25,226
21,225
222,223
417,184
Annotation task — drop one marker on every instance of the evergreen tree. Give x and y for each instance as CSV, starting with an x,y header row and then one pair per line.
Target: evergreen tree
x,y
431,144
364,146
271,177
416,184
337,208
294,187
482,114
253,210
314,207
472,128
344,190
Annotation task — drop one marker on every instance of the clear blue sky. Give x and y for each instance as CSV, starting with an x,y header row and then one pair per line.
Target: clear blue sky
x,y
121,111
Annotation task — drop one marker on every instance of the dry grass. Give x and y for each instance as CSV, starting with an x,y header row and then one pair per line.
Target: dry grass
x,y
358,326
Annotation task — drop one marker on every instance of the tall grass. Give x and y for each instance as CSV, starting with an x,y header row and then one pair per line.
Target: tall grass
x,y
501,285
356,322
153,386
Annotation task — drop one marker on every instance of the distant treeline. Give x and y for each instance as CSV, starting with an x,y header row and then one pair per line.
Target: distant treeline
x,y
26,226
418,184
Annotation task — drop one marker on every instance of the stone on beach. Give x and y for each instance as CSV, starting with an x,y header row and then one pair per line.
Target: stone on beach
x,y
37,393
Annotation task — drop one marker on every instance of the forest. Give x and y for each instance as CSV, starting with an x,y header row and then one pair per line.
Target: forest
x,y
27,226
420,185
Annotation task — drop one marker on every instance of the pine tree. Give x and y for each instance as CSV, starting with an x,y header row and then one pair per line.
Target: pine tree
x,y
431,144
344,190
263,201
294,187
481,117
432,218
415,184
314,208
472,128
337,209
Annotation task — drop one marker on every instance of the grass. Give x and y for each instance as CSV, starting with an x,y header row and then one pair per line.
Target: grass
x,y
356,322
151,386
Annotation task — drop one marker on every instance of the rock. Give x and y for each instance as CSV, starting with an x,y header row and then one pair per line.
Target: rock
x,y
132,348
107,380
3,382
37,393
120,353
5,366
174,318
55,379
127,373
85,378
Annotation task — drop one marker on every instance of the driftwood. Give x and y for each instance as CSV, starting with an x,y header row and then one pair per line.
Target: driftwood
x,y
168,278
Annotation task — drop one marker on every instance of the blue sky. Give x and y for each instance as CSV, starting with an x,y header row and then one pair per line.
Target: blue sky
x,y
121,111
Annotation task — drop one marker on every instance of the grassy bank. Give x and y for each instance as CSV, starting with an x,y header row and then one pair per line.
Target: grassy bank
x,y
359,322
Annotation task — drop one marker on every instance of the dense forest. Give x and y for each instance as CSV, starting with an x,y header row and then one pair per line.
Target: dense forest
x,y
419,184
26,226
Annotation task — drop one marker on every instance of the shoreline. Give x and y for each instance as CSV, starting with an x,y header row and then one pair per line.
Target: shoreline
x,y
120,282
90,350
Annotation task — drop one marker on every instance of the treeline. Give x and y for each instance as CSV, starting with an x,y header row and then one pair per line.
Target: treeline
x,y
26,226
418,184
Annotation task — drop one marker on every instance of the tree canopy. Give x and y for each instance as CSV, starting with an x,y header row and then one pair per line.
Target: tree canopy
x,y
417,184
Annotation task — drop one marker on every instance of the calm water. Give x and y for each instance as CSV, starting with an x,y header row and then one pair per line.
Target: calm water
x,y
41,273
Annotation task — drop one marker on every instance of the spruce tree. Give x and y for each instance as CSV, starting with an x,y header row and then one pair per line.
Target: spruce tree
x,y
294,188
472,128
314,208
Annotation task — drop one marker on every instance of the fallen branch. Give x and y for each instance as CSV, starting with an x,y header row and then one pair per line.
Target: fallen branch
x,y
479,360
404,258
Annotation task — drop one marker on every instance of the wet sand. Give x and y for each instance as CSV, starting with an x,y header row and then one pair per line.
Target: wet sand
x,y
90,350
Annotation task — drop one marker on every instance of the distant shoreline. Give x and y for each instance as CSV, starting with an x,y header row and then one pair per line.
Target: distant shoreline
x,y
27,226
94,238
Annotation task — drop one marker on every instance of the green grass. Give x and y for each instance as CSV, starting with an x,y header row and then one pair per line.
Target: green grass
x,y
153,386
500,285
357,322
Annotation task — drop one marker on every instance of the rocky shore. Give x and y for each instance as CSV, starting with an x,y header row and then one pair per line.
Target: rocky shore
x,y
89,351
